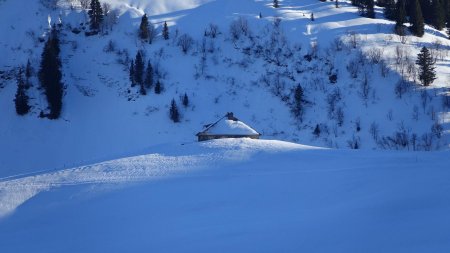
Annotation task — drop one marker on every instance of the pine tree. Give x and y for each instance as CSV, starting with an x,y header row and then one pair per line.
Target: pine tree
x,y
95,15
165,31
400,13
316,131
298,102
312,16
438,20
21,99
417,25
174,114
50,75
427,10
400,17
143,28
158,87
336,2
276,4
148,81
447,16
427,74
185,100
132,75
389,10
370,9
139,69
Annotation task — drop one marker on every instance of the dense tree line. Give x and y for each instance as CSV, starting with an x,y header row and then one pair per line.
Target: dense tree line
x,y
435,13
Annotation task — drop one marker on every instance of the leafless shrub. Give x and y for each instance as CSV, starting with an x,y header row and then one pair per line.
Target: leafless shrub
x,y
185,43
212,30
354,143
110,47
384,69
427,141
337,44
390,115
446,101
238,28
415,113
374,130
354,67
375,55
332,100
437,129
340,116
365,88
355,39
401,87
399,55
399,140
85,4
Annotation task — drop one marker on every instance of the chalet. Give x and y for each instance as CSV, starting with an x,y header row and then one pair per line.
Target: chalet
x,y
227,127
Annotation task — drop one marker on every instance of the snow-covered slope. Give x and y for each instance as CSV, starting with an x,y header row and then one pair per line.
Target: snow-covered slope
x,y
104,118
234,196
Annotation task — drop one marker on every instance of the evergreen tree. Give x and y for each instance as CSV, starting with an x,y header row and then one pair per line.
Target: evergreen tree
x,y
312,16
21,99
148,81
427,11
336,3
427,74
95,15
447,15
142,90
370,8
133,82
400,13
185,100
316,131
144,28
158,87
139,69
438,20
276,4
165,31
139,72
298,102
50,75
400,17
416,19
381,3
389,9
174,114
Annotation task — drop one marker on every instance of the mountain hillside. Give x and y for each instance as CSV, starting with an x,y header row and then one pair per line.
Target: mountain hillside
x,y
359,79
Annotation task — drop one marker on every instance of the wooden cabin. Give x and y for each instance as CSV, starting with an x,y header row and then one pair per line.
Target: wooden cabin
x,y
227,127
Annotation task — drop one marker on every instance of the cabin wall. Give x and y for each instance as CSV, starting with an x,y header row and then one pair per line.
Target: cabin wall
x,y
212,137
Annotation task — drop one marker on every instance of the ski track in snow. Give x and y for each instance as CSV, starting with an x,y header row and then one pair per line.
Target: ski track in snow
x,y
16,191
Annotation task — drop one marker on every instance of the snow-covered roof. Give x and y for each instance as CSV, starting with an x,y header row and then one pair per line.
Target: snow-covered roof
x,y
229,125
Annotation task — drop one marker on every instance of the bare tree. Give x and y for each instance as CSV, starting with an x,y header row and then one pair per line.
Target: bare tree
x,y
238,28
212,30
85,4
185,42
